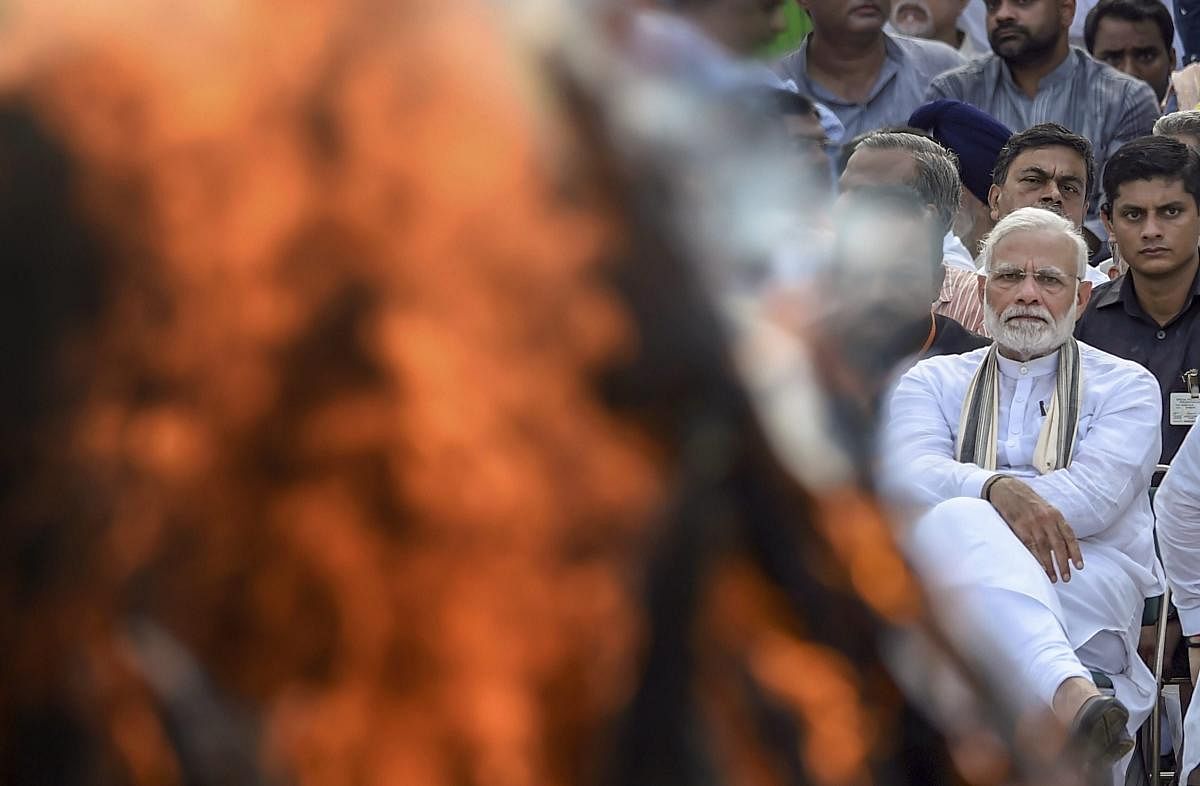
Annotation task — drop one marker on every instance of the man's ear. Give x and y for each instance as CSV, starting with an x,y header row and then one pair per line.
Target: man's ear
x,y
1082,297
994,201
982,285
1106,219
1066,13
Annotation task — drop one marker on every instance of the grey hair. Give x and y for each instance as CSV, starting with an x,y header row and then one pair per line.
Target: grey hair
x,y
937,170
1185,122
1034,219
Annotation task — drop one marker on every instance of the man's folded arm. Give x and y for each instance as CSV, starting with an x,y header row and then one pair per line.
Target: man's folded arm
x,y
1113,461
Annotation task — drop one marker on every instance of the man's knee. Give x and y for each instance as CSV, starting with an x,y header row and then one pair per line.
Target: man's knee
x,y
958,523
962,508
951,531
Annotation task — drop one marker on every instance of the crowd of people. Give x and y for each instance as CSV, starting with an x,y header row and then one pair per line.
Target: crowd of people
x,y
823,419
1053,226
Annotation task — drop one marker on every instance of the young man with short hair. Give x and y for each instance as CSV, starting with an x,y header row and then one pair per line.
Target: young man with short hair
x,y
1150,314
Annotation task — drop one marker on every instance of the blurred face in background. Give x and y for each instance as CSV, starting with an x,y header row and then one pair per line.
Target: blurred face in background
x,y
1137,49
886,262
741,26
848,18
808,147
934,19
870,167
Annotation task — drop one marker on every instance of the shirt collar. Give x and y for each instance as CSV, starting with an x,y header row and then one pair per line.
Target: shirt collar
x,y
1038,367
1122,291
1063,72
1112,294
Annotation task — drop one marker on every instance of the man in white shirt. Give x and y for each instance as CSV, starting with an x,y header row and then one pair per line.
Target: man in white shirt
x,y
1028,464
1177,506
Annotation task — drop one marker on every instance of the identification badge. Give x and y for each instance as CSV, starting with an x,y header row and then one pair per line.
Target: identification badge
x,y
1185,406
1184,409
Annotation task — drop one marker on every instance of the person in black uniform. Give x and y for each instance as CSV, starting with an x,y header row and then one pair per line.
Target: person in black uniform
x,y
1149,314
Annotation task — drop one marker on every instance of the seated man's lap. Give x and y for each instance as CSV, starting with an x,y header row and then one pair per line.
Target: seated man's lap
x,y
963,542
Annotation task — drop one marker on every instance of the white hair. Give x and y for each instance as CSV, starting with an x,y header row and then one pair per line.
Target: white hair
x,y
937,178
1034,219
1184,122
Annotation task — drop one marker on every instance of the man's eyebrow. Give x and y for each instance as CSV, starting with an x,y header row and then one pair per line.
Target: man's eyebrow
x,y
1050,269
1175,203
1034,169
1146,50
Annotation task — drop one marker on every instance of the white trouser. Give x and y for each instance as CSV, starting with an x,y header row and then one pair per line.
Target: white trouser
x,y
994,596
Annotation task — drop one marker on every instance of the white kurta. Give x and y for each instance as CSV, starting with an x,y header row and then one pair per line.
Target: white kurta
x,y
1178,508
1102,495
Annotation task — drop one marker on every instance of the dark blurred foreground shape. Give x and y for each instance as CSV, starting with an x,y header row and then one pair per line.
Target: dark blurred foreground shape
x,y
353,434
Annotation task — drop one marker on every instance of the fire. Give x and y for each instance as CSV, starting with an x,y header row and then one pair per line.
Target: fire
x,y
329,488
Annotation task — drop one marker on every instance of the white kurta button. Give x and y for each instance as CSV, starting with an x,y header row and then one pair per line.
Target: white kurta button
x,y
1024,370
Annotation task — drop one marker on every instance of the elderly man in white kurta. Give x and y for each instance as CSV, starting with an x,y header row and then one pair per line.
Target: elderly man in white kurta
x,y
1178,508
1033,459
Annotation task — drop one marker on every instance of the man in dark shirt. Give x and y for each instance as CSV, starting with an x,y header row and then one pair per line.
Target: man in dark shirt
x,y
1150,314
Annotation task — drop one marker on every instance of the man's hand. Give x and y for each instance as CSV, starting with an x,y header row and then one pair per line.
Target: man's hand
x,y
1038,525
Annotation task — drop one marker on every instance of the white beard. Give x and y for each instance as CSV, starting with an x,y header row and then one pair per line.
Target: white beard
x,y
1029,339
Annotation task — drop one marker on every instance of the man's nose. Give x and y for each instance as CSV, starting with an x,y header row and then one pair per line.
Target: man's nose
x,y
1051,194
1125,65
1028,292
1003,12
1151,228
